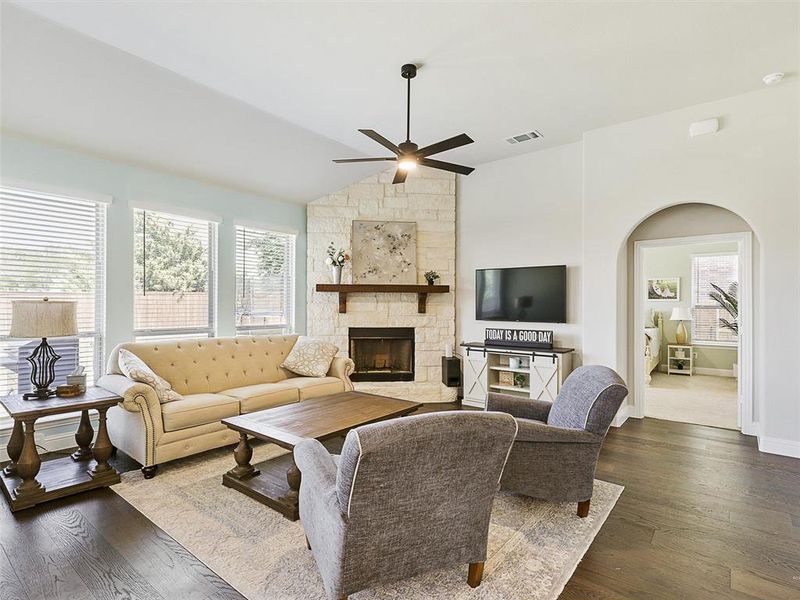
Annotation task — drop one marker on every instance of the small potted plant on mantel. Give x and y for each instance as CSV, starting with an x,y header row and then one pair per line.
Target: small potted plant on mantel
x,y
336,260
431,277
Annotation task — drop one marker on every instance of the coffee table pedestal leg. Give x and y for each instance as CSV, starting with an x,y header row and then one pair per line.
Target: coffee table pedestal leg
x,y
14,448
28,466
242,455
293,478
83,438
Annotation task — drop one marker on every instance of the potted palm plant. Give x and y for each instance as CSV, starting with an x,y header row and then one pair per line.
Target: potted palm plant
x,y
729,302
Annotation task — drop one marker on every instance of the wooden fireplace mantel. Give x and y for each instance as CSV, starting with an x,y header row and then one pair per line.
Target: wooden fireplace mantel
x,y
421,291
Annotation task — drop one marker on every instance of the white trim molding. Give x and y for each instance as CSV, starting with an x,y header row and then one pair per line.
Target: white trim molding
x,y
747,399
773,445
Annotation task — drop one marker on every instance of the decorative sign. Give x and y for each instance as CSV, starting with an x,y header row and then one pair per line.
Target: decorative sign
x,y
522,338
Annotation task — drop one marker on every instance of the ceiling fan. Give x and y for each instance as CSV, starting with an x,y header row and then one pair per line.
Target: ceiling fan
x,y
407,154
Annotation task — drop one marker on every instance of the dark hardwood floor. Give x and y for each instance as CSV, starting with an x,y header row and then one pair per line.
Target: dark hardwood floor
x,y
703,515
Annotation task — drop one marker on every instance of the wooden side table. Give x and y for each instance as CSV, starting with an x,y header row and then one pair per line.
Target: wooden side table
x,y
27,481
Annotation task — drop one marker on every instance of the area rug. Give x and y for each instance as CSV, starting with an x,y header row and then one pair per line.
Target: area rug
x,y
534,546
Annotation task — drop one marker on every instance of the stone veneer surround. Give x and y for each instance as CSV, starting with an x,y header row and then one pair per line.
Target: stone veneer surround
x,y
428,197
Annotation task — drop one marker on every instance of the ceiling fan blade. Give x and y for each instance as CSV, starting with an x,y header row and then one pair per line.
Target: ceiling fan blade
x,y
400,176
446,166
448,144
381,140
355,160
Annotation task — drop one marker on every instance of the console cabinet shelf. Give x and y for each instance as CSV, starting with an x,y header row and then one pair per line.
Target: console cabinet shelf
x,y
421,291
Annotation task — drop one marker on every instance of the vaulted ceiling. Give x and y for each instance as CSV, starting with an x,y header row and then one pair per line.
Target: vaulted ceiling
x,y
261,96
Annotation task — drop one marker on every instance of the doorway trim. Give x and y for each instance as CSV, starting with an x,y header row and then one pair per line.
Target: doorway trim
x,y
744,240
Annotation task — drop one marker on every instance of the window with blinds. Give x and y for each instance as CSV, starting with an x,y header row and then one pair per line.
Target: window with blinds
x,y
265,281
708,316
51,246
174,276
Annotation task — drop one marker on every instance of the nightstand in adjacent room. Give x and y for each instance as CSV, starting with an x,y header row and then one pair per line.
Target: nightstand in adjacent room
x,y
679,359
26,480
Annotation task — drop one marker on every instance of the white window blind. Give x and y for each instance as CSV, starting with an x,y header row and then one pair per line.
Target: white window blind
x,y
721,270
52,246
264,281
174,276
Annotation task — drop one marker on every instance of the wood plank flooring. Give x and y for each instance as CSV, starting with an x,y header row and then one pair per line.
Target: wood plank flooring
x,y
703,515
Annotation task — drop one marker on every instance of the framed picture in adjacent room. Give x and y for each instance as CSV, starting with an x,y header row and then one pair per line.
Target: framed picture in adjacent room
x,y
665,289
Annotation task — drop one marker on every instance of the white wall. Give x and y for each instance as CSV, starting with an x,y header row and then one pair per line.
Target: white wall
x,y
38,163
522,211
750,167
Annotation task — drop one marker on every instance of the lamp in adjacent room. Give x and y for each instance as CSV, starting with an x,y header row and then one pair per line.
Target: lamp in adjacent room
x,y
43,319
681,314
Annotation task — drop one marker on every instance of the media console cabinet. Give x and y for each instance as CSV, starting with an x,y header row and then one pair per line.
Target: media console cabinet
x,y
487,368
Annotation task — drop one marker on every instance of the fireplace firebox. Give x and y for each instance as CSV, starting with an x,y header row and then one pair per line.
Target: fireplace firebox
x,y
382,353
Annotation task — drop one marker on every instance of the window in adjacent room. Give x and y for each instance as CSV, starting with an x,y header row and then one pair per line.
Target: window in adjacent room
x,y
709,317
174,276
52,246
265,281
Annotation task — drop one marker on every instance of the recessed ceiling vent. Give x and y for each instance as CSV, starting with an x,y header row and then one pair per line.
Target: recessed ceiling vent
x,y
524,137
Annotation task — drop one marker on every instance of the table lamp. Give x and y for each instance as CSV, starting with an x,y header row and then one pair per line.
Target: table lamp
x,y
43,319
681,314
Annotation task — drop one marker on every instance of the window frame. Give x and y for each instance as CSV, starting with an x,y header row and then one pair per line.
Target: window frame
x,y
693,306
168,333
99,204
291,297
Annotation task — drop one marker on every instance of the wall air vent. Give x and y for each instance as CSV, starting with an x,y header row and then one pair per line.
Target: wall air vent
x,y
524,137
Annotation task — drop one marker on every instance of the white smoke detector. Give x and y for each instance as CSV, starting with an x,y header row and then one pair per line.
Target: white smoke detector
x,y
773,78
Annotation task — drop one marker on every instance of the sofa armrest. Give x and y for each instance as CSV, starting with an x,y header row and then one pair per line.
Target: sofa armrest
x,y
342,367
136,397
536,431
521,408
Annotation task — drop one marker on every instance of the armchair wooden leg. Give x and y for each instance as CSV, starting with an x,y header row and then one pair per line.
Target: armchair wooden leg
x,y
475,574
308,544
583,508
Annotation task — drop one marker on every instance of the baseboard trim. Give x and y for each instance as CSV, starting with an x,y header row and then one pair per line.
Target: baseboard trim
x,y
625,411
704,371
51,434
772,445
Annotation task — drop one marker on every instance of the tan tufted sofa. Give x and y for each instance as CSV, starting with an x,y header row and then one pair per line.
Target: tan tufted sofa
x,y
219,378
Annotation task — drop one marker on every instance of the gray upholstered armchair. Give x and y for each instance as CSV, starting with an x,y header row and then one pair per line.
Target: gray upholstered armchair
x,y
406,496
555,453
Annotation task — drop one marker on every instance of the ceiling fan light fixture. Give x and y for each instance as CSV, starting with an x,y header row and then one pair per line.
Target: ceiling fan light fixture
x,y
407,164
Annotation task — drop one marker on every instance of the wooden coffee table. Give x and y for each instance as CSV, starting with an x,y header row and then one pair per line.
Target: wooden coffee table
x,y
276,482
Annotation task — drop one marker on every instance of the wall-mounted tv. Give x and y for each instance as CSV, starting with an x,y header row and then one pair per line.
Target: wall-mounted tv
x,y
529,294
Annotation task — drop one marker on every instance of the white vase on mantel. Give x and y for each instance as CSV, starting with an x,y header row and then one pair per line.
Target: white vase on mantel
x,y
336,272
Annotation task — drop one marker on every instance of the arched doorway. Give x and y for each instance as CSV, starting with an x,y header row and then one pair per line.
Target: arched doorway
x,y
682,232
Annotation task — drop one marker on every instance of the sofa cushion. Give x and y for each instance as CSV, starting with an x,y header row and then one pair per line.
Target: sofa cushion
x,y
310,357
198,409
135,368
314,387
264,395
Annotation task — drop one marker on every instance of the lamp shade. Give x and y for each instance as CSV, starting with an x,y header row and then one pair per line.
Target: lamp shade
x,y
43,318
681,313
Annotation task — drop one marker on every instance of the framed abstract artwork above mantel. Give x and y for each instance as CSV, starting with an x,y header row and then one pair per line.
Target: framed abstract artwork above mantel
x,y
384,252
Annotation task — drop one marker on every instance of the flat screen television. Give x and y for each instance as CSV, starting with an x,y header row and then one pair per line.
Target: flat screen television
x,y
529,294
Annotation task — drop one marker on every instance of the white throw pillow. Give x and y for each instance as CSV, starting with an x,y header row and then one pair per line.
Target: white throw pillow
x,y
134,367
310,357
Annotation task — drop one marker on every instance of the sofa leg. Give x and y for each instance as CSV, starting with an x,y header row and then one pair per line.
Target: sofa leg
x,y
308,544
475,574
583,508
150,472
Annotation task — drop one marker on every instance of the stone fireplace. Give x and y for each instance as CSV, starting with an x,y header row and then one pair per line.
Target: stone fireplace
x,y
382,353
428,199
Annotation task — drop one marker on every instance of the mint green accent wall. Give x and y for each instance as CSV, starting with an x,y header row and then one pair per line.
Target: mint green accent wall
x,y
676,261
26,161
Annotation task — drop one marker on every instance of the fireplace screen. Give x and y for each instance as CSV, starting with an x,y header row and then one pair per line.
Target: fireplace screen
x,y
382,353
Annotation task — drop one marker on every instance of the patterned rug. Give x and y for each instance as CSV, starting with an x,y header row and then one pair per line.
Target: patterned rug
x,y
534,546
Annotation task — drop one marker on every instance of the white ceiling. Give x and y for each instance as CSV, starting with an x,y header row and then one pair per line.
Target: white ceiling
x,y
490,70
